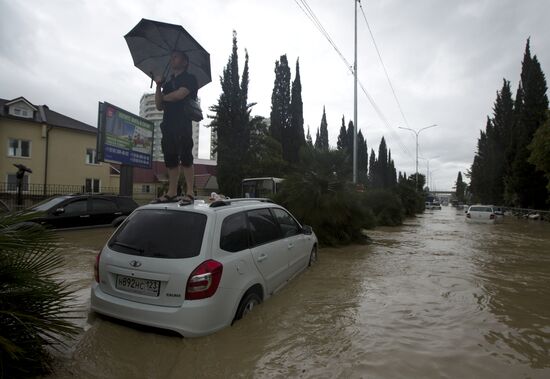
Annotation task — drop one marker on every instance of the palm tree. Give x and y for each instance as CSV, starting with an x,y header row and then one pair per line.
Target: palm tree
x,y
34,306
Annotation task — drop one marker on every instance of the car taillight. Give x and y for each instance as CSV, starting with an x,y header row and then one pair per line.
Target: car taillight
x,y
468,215
96,267
204,280
492,217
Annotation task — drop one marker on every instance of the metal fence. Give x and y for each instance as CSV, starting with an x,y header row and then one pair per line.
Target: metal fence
x,y
34,193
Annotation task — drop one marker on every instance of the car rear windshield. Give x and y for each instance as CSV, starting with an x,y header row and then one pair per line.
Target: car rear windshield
x,y
161,233
481,209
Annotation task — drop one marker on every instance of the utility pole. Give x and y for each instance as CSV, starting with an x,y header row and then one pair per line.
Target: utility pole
x,y
355,102
417,132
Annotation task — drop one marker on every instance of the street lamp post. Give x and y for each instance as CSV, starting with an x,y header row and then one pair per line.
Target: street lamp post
x,y
428,169
417,132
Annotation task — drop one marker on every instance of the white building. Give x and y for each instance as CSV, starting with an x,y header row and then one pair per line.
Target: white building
x,y
148,111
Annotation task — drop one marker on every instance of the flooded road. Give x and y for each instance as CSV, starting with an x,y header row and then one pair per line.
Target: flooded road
x,y
434,298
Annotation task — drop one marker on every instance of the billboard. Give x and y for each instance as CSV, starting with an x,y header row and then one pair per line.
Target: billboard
x,y
123,137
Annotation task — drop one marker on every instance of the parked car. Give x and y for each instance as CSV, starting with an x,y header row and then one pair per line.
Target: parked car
x,y
195,269
481,213
83,210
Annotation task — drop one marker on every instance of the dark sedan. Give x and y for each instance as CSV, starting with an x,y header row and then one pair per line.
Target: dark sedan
x,y
84,210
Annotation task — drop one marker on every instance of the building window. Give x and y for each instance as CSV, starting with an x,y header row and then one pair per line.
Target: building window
x,y
19,148
12,183
91,156
92,185
146,188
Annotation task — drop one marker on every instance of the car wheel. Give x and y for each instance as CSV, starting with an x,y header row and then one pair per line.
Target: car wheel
x,y
249,301
313,256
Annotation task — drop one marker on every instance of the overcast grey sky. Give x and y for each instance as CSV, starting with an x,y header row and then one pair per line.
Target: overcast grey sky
x,y
446,60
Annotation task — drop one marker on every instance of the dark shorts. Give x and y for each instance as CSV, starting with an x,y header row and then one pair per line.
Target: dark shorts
x,y
177,145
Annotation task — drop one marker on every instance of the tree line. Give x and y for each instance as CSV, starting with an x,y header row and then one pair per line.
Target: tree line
x,y
512,162
255,146
318,188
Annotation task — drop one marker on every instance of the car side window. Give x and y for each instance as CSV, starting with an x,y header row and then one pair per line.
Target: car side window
x,y
234,233
76,207
103,206
263,227
288,225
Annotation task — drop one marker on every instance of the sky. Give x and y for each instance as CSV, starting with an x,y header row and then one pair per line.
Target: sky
x,y
445,59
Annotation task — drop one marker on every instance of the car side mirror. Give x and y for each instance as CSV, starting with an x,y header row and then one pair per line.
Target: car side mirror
x,y
59,211
306,229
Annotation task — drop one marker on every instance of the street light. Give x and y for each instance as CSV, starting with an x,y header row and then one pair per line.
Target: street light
x,y
428,169
417,132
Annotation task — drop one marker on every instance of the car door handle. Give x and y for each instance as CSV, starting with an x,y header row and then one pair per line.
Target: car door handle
x,y
84,216
118,213
290,246
262,257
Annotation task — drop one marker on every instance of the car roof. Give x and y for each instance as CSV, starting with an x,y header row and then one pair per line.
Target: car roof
x,y
217,206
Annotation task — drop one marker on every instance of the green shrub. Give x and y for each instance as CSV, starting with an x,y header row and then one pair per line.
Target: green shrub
x,y
34,308
329,206
413,202
385,205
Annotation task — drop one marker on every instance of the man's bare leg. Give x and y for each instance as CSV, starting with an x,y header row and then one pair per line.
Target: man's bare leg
x,y
173,177
189,174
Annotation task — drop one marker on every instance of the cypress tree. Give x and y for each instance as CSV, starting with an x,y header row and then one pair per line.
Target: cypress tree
x,y
318,141
392,172
309,142
280,103
341,144
231,124
349,134
362,158
296,137
460,187
382,165
479,176
323,133
372,169
526,186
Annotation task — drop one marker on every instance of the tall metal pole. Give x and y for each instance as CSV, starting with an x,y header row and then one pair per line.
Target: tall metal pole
x,y
355,102
417,132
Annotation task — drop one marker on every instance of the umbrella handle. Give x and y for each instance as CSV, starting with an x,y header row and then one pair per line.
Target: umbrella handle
x,y
151,86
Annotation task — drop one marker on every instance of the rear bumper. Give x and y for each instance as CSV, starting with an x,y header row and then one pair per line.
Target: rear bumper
x,y
480,220
194,318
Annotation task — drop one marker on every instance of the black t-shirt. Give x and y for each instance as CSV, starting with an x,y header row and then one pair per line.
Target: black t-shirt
x,y
174,114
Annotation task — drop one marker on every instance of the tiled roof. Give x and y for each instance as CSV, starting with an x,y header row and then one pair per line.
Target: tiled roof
x,y
51,117
204,174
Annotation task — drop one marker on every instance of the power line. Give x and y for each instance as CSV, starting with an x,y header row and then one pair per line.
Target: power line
x,y
304,6
384,66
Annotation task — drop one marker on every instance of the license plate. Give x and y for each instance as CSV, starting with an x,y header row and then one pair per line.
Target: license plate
x,y
136,285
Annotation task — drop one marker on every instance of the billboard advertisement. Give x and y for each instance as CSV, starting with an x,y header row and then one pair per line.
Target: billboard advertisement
x,y
123,137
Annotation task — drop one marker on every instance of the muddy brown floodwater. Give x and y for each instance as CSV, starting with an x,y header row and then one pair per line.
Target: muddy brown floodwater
x,y
434,298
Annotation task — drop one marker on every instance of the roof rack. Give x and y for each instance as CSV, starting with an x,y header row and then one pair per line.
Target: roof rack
x,y
221,203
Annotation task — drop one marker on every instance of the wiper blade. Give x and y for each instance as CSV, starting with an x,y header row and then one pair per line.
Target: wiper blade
x,y
128,246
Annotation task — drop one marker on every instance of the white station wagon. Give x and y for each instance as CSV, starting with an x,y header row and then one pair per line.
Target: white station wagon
x,y
195,269
481,213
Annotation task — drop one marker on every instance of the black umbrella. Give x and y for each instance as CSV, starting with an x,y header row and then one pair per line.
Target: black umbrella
x,y
151,44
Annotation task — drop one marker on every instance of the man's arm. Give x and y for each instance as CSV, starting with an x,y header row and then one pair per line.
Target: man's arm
x,y
177,95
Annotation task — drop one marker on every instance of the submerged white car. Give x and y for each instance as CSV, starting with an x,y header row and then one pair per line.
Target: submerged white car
x,y
481,213
197,268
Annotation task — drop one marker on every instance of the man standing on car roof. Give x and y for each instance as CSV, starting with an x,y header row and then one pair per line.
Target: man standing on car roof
x,y
176,127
